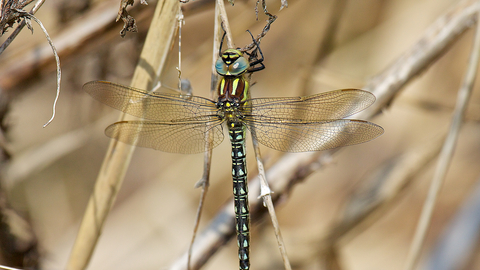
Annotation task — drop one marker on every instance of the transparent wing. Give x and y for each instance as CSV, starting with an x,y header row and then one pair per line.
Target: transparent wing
x,y
324,106
179,137
293,136
150,105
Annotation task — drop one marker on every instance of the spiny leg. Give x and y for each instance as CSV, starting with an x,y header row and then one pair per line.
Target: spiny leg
x,y
253,56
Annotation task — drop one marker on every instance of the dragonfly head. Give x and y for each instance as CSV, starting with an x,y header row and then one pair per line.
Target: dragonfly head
x,y
231,63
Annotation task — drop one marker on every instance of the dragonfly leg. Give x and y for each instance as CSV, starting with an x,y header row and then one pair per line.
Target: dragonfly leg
x,y
253,55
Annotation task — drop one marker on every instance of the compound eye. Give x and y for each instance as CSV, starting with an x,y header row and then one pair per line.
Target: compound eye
x,y
221,67
239,66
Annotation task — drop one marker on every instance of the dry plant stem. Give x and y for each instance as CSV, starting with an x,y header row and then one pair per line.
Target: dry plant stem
x,y
181,22
17,69
266,195
112,172
222,15
28,16
205,184
19,28
377,193
294,168
221,24
447,151
8,268
220,19
457,247
266,28
32,160
283,5
435,41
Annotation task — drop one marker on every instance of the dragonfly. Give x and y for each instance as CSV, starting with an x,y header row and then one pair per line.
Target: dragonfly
x,y
189,124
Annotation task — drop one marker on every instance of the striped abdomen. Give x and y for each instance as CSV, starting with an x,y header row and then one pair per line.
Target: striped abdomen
x,y
240,192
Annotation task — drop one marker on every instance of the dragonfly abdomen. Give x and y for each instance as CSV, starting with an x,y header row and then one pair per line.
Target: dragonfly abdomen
x,y
240,192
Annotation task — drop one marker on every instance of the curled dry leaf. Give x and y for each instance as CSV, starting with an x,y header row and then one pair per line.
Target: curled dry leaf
x,y
129,24
9,14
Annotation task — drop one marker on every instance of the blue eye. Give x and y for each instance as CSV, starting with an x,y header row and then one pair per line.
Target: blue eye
x,y
239,66
220,67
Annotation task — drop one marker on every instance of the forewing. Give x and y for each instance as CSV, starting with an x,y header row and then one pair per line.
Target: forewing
x,y
313,136
324,106
150,105
180,137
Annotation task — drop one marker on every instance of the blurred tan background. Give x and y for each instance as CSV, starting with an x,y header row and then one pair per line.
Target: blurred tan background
x,y
52,171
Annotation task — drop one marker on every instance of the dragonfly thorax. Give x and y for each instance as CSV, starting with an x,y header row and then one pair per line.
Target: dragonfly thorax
x,y
229,110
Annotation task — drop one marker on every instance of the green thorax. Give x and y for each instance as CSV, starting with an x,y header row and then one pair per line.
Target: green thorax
x,y
233,86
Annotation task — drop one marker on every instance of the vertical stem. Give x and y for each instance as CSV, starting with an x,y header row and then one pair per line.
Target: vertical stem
x,y
118,156
266,194
447,151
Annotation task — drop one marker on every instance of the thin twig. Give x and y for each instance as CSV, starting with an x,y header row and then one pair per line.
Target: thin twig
x,y
181,22
266,28
266,195
457,247
221,24
204,182
370,200
434,42
222,13
447,151
283,5
377,192
27,15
